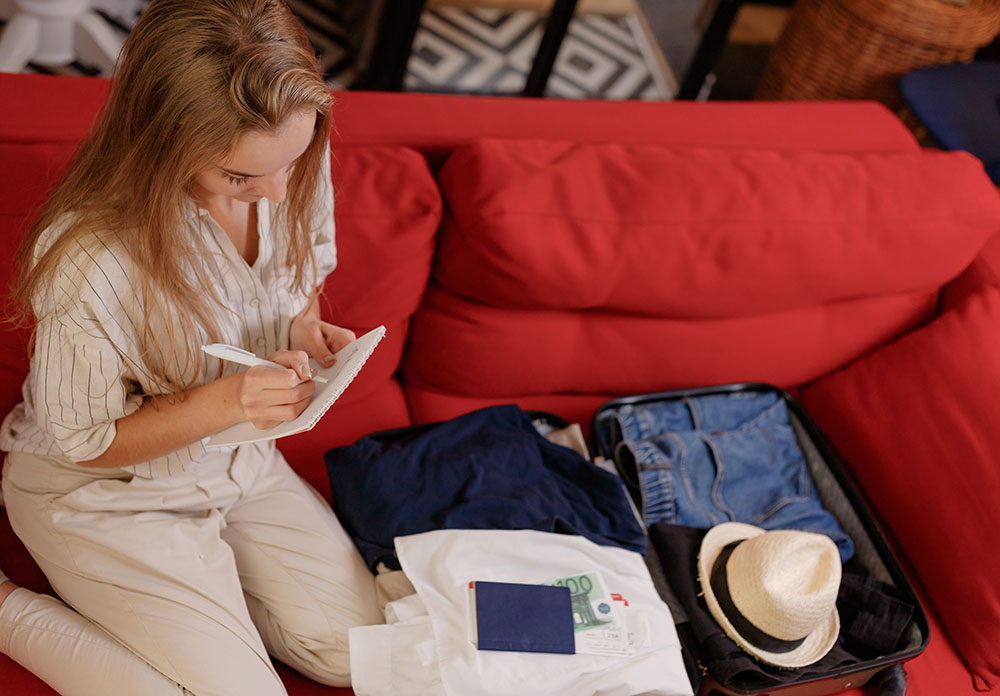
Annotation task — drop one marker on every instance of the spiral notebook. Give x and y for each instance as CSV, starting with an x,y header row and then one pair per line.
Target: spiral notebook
x,y
350,359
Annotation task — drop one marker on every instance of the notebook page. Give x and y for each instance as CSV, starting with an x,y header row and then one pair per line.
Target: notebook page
x,y
350,359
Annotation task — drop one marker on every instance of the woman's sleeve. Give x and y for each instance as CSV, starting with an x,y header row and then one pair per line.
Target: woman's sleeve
x,y
83,381
324,237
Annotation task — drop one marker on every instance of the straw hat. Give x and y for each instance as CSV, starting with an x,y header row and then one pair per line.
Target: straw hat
x,y
773,592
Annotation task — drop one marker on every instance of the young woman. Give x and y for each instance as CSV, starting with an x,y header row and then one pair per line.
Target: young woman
x,y
198,210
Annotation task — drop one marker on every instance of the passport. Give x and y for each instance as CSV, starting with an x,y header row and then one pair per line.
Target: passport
x,y
523,618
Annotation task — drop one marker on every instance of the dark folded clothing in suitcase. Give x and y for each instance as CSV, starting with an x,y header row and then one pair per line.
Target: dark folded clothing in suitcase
x,y
489,469
863,603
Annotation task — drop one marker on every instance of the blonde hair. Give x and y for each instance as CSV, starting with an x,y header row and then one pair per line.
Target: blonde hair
x,y
194,75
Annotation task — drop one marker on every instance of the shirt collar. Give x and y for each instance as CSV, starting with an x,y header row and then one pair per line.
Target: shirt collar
x,y
192,211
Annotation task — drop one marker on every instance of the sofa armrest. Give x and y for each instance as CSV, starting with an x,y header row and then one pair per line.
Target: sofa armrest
x,y
917,422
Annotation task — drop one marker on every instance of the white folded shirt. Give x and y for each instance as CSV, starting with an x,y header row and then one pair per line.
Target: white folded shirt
x,y
429,654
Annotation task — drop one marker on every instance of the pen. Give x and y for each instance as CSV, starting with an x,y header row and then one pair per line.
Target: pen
x,y
245,357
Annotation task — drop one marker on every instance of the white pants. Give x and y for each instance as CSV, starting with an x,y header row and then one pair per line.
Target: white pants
x,y
71,653
201,574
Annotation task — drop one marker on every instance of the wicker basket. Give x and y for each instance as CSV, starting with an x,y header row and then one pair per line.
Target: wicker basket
x,y
858,49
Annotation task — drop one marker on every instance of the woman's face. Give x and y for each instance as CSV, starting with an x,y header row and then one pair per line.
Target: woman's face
x,y
258,166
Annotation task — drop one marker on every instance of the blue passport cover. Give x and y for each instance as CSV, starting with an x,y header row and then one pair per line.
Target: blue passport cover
x,y
523,618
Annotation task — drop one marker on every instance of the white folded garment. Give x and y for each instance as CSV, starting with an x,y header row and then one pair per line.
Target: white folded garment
x,y
431,655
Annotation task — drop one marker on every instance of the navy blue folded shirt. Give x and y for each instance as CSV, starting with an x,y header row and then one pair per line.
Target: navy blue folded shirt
x,y
489,469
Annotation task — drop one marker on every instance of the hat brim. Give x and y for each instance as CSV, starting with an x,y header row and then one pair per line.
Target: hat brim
x,y
813,647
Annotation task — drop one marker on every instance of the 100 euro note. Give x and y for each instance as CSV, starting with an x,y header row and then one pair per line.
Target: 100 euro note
x,y
598,626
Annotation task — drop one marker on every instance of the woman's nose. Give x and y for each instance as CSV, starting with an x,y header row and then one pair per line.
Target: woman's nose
x,y
274,186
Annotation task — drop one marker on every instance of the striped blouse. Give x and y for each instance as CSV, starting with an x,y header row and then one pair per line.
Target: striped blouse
x,y
86,371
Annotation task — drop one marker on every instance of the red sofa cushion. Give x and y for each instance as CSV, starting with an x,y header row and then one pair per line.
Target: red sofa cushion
x,y
919,422
463,347
388,209
704,233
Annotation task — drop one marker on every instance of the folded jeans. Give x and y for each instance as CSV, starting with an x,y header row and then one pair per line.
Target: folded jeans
x,y
743,464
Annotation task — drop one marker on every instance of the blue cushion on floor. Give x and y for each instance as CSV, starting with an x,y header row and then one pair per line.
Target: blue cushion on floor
x,y
960,106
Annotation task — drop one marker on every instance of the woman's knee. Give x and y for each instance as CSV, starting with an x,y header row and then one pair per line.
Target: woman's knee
x,y
324,658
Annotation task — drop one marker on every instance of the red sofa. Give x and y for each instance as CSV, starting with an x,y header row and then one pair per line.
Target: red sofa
x,y
556,254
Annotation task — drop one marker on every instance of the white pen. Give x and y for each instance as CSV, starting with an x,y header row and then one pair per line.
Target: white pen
x,y
245,357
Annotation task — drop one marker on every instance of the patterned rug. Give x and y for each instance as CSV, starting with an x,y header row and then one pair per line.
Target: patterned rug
x,y
490,51
472,50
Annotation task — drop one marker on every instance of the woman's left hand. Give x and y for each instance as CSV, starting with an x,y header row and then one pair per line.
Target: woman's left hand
x,y
318,338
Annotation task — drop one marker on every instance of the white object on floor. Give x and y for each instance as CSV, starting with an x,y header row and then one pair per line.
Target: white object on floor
x,y
57,32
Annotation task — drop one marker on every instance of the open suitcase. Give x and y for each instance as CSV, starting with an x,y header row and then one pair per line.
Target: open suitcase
x,y
838,495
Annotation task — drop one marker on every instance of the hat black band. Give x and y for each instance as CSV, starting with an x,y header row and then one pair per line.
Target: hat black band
x,y
752,634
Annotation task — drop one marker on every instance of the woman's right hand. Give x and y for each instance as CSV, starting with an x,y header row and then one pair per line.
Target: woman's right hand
x,y
265,396
269,396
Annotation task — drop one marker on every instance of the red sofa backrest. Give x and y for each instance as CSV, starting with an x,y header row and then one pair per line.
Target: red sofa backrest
x,y
596,269
388,207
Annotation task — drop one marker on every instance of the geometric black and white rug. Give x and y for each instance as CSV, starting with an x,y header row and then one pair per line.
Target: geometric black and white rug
x,y
472,50
490,50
